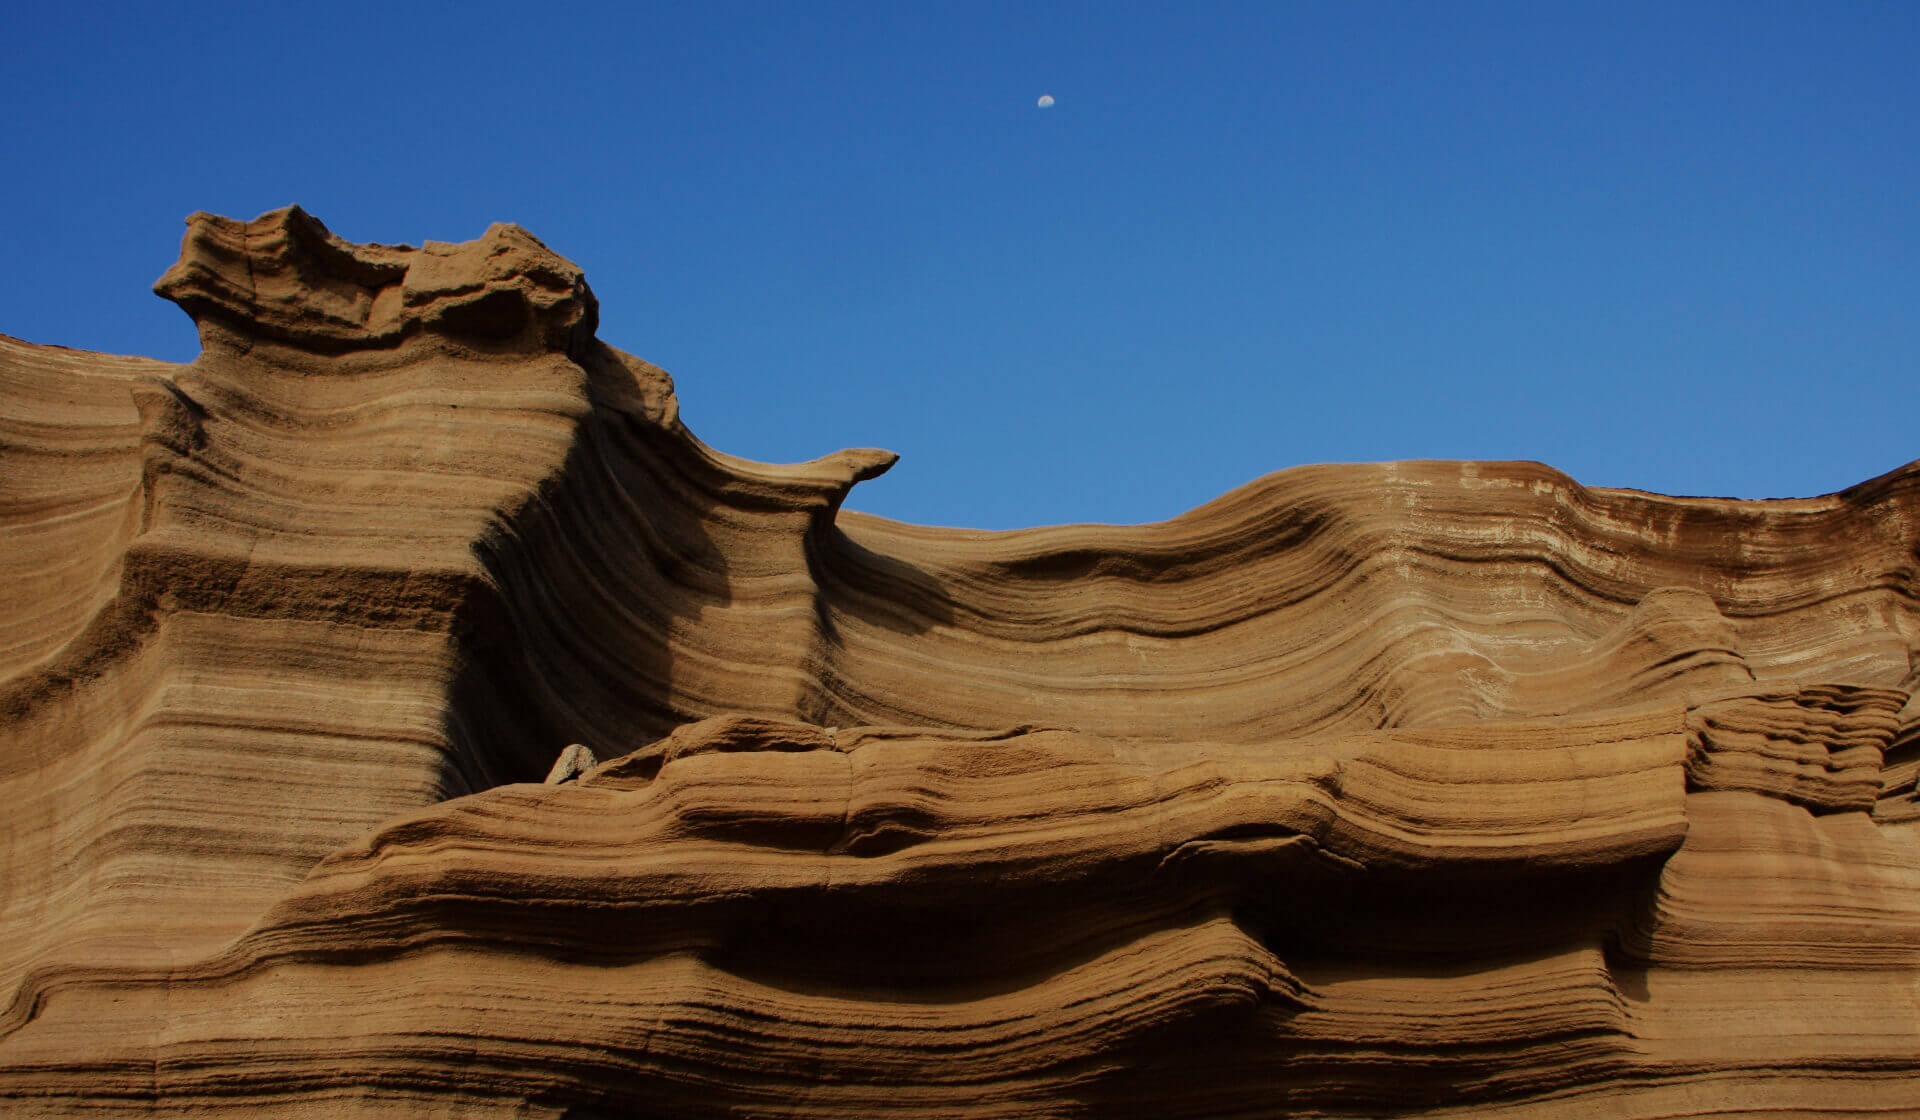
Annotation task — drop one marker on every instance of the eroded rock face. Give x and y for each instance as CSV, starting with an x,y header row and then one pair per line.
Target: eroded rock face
x,y
285,276
1408,789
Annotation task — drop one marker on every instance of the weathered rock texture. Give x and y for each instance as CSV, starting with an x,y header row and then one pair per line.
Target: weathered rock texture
x,y
1420,788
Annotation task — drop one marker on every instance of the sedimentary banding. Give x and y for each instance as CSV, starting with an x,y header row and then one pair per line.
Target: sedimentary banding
x,y
1400,789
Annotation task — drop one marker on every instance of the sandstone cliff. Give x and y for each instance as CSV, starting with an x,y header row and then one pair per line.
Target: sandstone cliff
x,y
1410,789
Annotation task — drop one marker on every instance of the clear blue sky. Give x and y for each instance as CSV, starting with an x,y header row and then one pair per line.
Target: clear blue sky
x,y
1672,246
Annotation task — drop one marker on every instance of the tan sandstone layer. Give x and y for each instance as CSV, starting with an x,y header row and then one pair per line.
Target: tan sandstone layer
x,y
1410,789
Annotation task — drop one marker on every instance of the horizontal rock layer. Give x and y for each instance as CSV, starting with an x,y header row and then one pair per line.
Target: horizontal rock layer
x,y
1409,789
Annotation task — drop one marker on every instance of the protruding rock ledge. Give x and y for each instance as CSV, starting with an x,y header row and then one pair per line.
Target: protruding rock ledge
x,y
285,276
1412,789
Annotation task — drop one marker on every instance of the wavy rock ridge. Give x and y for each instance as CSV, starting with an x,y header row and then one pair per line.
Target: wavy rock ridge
x,y
1409,789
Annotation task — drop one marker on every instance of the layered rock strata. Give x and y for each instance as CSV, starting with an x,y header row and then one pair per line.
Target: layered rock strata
x,y
1410,789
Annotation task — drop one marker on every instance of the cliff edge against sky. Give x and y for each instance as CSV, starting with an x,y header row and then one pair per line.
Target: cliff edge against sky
x,y
402,712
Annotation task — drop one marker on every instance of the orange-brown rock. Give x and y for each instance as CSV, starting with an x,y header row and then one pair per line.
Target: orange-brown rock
x,y
1410,789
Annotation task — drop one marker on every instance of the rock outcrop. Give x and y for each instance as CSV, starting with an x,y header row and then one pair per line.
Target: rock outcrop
x,y
1411,789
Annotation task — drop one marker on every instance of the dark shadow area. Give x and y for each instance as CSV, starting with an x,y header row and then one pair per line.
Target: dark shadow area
x,y
882,591
570,639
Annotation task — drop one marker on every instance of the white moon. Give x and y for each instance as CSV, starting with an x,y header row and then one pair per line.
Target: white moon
x,y
1046,101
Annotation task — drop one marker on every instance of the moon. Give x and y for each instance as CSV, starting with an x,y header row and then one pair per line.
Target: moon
x,y
1046,101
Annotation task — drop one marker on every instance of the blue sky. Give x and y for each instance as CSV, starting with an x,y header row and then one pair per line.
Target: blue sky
x,y
1670,246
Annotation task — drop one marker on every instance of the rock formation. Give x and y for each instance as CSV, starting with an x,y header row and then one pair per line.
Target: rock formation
x,y
1410,789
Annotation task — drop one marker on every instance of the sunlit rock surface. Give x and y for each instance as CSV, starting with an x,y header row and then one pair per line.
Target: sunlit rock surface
x,y
401,712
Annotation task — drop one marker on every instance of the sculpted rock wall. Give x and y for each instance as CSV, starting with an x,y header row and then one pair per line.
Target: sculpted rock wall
x,y
1409,789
